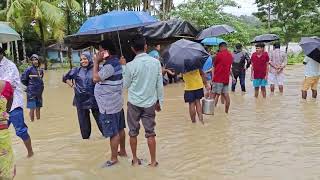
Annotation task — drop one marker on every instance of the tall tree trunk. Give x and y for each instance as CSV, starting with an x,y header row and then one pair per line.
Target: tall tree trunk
x,y
69,32
23,47
43,45
85,7
16,54
146,5
163,2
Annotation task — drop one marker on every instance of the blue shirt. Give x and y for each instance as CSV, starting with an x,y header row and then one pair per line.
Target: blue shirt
x,y
143,78
312,68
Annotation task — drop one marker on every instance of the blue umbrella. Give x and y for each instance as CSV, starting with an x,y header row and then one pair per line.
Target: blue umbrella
x,y
213,41
115,21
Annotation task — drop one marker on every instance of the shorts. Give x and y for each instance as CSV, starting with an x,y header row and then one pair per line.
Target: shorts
x,y
260,83
17,119
112,124
310,82
193,95
276,79
147,116
34,103
219,88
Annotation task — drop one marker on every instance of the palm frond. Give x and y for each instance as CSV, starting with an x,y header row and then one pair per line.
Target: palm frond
x,y
52,13
74,5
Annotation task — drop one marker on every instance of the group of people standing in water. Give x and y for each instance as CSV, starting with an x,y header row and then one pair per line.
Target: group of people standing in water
x,y
100,80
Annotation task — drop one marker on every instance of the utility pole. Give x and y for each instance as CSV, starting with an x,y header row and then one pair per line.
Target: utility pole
x,y
269,21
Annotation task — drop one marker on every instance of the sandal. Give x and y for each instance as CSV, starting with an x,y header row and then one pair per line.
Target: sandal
x,y
109,164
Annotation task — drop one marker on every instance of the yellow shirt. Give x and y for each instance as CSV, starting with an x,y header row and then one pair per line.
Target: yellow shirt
x,y
192,80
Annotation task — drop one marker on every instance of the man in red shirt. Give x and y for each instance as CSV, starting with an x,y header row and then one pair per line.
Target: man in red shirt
x,y
259,71
221,73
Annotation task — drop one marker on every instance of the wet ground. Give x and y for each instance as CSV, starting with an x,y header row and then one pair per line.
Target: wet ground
x,y
273,139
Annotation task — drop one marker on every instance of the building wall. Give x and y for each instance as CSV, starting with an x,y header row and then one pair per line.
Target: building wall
x,y
54,55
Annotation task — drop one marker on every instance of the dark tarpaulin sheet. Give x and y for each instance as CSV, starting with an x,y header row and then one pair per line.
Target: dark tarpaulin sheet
x,y
169,29
164,33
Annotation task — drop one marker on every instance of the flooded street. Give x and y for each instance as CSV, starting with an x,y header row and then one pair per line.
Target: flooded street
x,y
273,139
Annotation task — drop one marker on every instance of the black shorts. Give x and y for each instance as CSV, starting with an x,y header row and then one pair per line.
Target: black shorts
x,y
192,96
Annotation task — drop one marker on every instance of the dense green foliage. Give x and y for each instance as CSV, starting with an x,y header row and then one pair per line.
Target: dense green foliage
x,y
291,19
205,13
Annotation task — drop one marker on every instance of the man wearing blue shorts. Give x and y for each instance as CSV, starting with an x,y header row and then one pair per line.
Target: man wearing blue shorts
x,y
259,71
108,94
9,72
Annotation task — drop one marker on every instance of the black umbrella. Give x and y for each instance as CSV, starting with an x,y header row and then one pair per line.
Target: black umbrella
x,y
184,56
311,47
265,38
215,31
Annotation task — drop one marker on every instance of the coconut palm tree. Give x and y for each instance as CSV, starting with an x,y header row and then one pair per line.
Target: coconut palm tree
x,y
47,19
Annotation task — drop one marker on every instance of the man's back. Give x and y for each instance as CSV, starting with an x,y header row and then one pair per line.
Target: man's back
x,y
312,67
143,78
222,66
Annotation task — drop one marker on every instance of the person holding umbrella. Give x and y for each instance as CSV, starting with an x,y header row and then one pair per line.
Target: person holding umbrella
x,y
311,48
311,79
108,93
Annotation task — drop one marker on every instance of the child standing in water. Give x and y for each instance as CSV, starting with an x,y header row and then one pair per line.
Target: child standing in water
x,y
259,71
32,78
7,170
193,92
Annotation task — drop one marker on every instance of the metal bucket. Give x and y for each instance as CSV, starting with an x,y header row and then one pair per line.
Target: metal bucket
x,y
208,106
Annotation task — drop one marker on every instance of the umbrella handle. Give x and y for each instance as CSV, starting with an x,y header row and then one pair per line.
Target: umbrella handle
x,y
119,43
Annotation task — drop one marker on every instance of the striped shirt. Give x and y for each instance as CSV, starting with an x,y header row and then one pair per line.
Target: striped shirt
x,y
108,92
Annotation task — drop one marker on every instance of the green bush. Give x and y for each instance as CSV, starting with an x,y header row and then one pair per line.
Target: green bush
x,y
295,58
23,67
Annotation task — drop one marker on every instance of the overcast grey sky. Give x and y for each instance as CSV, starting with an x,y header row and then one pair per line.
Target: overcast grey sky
x,y
247,7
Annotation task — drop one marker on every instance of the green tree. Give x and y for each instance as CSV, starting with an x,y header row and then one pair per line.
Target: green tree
x,y
289,17
205,13
48,18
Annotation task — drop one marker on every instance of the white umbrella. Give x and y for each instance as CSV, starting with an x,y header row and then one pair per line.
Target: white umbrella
x,y
7,34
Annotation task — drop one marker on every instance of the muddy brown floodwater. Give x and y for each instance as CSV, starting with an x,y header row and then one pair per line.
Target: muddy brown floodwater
x,y
273,139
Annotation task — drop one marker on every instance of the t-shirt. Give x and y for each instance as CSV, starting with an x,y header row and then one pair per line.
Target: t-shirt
x,y
259,65
207,66
192,80
222,67
108,92
312,68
